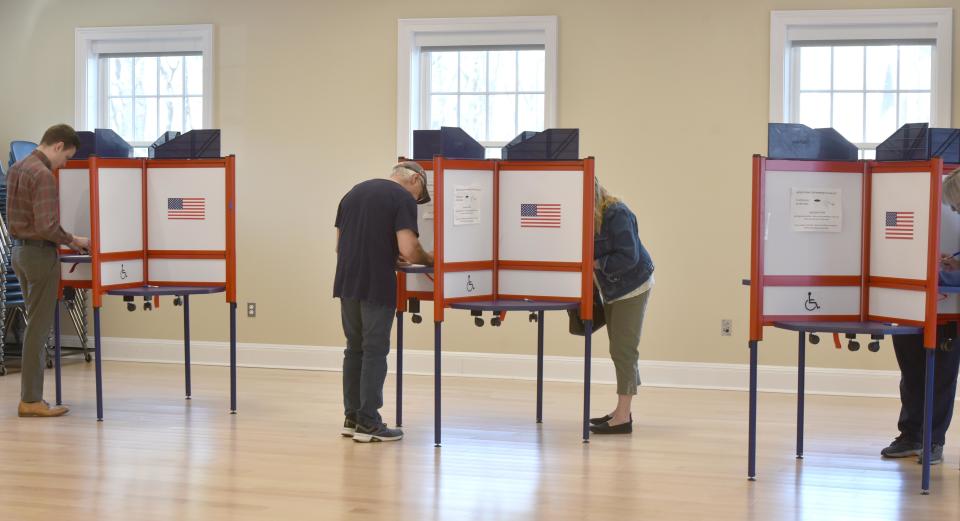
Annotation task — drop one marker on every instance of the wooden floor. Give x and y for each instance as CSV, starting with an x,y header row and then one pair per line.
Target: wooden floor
x,y
159,457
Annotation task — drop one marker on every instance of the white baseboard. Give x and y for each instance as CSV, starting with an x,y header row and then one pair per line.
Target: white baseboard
x,y
734,377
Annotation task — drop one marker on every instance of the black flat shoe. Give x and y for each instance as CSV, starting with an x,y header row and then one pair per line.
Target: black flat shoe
x,y
598,421
605,419
606,428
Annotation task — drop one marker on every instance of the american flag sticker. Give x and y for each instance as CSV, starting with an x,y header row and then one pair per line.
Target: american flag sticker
x,y
540,215
899,225
187,208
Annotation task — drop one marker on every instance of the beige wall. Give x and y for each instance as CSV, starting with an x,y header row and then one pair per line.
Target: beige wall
x,y
671,97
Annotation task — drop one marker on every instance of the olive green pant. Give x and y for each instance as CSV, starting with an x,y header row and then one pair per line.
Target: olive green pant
x,y
624,325
38,268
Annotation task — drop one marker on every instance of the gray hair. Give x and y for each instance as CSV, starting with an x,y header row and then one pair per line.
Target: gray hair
x,y
951,190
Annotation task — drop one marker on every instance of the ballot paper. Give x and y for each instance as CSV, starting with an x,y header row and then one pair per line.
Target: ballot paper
x,y
816,210
466,205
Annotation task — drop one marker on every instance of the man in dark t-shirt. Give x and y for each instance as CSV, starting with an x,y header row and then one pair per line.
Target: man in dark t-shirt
x,y
376,227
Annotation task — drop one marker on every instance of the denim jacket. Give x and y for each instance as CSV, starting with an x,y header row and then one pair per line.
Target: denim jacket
x,y
621,263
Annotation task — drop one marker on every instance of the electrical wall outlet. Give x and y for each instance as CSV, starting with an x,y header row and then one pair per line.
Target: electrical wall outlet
x,y
726,327
251,309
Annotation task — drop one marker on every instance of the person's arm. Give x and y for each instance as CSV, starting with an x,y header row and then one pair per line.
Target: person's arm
x,y
625,253
410,248
46,212
337,248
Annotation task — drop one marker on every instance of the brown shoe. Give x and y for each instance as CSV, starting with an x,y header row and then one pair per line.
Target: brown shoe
x,y
40,409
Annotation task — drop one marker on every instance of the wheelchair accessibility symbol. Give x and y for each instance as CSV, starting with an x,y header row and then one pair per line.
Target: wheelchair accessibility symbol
x,y
470,287
123,272
810,304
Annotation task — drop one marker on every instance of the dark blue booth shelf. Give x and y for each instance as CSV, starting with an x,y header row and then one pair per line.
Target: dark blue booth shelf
x,y
415,269
102,142
800,142
553,144
515,305
919,142
158,291
855,328
195,144
449,142
75,259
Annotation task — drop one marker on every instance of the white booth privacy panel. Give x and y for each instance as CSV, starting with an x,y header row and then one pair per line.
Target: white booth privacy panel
x,y
541,216
563,284
467,215
75,272
811,300
75,201
813,223
949,244
115,273
461,284
120,197
898,304
900,224
209,271
187,209
419,282
425,216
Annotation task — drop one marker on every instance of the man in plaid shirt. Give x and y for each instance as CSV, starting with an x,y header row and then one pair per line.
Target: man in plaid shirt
x,y
33,217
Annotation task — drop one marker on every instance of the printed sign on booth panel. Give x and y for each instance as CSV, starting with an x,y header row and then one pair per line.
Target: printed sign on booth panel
x,y
74,185
464,231
118,231
187,211
807,242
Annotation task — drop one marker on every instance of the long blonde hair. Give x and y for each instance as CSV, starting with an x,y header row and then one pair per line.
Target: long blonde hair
x,y
602,199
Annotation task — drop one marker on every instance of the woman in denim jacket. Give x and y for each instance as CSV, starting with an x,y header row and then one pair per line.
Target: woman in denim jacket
x,y
623,272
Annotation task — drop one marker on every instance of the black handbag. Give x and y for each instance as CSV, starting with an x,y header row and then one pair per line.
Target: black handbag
x,y
599,318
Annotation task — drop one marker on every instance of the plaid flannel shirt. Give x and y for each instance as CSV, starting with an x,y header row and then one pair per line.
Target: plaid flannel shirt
x,y
33,201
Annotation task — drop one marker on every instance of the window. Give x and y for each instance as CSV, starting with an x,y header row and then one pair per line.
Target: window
x,y
144,81
865,92
145,96
493,77
864,73
492,94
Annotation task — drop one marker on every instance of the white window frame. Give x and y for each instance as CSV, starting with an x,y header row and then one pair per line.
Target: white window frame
x,y
91,42
415,34
862,25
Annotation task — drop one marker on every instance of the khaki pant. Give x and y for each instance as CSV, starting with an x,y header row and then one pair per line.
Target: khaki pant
x,y
38,268
624,325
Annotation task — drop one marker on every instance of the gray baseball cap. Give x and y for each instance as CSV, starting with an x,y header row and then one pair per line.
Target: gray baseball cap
x,y
415,167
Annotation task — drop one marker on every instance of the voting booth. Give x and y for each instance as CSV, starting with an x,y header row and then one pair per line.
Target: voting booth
x,y
848,248
157,227
507,236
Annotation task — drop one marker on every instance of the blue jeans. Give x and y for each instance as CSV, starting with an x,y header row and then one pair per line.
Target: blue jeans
x,y
367,328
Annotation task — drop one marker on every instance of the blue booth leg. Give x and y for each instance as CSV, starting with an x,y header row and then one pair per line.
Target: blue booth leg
x,y
436,383
801,376
56,353
186,344
927,419
540,367
399,368
98,362
587,358
752,438
233,358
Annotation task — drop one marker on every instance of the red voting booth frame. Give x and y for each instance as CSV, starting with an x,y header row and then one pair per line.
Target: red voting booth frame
x,y
585,267
763,167
229,255
866,320
147,287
